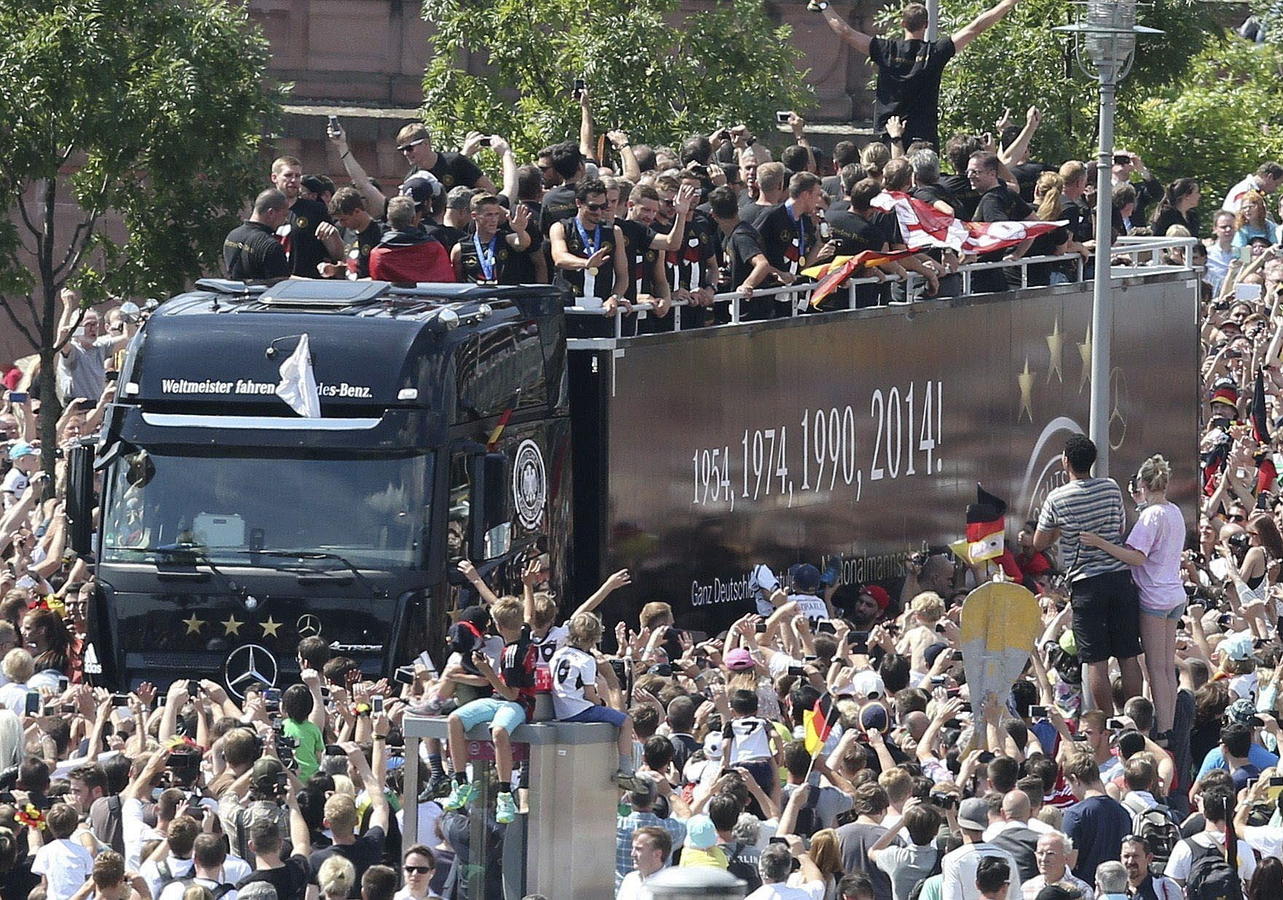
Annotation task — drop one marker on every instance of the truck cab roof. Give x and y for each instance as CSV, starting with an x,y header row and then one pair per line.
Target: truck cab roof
x,y
375,346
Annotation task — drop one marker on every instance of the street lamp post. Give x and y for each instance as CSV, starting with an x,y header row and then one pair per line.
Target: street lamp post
x,y
1105,45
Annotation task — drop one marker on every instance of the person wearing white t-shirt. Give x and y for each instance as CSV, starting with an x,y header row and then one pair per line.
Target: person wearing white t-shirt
x,y
208,871
1217,806
775,864
25,461
578,687
1153,551
63,865
652,848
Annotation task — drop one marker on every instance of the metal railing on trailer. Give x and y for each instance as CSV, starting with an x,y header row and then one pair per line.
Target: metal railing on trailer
x,y
1133,257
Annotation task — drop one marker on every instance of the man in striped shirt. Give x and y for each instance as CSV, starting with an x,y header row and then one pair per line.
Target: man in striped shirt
x,y
1106,606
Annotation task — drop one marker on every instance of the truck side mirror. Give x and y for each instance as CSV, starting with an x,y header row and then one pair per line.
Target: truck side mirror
x,y
80,496
491,513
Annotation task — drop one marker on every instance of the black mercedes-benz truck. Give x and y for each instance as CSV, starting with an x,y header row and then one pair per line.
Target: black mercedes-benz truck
x,y
230,525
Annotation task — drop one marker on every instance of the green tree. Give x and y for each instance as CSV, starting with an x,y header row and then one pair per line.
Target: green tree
x,y
1220,121
653,70
156,108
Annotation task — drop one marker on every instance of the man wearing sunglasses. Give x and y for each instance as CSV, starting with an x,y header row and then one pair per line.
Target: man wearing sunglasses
x,y
451,169
584,247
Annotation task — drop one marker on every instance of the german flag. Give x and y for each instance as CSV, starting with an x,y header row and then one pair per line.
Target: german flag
x,y
986,522
818,721
831,274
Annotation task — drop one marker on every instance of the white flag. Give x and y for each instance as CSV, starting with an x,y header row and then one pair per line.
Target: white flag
x,y
298,384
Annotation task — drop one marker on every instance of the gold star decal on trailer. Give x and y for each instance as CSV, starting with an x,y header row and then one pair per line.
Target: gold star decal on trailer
x,y
231,626
193,624
1026,381
1084,352
1055,343
270,627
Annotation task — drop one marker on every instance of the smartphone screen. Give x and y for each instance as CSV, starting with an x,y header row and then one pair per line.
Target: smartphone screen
x,y
376,704
1037,712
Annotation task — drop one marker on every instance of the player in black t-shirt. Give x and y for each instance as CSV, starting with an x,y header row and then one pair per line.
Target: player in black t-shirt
x,y
585,250
360,235
486,251
251,251
909,68
790,232
745,265
531,265
559,201
998,203
302,246
451,169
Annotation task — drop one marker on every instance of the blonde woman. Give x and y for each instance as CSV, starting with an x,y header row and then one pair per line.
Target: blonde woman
x,y
1153,550
1251,221
1049,207
336,877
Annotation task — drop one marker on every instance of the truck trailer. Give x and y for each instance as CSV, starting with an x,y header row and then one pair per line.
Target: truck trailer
x,y
459,422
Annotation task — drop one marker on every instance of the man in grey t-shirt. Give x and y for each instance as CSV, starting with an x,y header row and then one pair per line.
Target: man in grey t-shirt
x,y
82,364
1106,607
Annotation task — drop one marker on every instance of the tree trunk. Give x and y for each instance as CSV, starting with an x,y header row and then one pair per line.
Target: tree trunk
x,y
50,408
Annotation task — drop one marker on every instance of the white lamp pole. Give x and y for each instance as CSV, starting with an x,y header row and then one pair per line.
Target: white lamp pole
x,y
1105,45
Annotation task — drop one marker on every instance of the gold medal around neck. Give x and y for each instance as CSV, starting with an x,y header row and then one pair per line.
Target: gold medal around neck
x,y
592,270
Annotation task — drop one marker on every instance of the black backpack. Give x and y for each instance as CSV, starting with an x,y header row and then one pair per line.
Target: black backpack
x,y
1211,877
741,867
1157,826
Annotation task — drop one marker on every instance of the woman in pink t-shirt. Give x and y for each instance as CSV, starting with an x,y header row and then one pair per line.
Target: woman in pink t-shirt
x,y
1153,550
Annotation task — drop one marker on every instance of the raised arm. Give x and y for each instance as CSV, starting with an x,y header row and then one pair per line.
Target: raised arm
x,y
981,23
374,199
586,139
857,39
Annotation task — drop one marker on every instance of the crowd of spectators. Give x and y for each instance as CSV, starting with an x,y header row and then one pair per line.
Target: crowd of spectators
x,y
1097,775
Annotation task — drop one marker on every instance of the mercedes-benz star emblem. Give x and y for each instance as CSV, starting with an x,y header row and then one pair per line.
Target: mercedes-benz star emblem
x,y
308,625
249,665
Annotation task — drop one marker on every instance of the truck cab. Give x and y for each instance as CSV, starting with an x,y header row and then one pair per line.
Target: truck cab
x,y
228,526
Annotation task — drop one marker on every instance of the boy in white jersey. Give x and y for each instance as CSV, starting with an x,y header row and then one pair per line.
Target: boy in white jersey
x,y
750,739
578,686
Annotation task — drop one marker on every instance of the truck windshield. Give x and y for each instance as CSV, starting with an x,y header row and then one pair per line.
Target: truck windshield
x,y
369,511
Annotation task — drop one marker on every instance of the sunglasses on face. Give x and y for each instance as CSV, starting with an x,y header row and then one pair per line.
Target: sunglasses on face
x,y
418,870
596,207
1237,518
406,148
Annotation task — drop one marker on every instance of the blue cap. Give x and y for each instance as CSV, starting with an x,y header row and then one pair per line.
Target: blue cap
x,y
21,449
805,577
701,833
